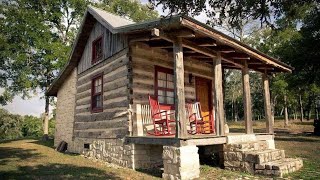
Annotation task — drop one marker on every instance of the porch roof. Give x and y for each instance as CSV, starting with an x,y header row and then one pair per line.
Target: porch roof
x,y
199,41
202,42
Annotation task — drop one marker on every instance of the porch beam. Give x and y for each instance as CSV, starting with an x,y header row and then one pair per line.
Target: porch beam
x,y
179,97
267,104
247,98
193,46
218,95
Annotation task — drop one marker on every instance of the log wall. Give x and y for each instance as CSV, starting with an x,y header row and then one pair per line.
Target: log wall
x,y
113,121
112,43
143,62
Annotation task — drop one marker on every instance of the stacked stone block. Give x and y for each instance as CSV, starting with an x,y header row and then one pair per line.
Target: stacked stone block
x,y
147,156
181,162
256,158
115,152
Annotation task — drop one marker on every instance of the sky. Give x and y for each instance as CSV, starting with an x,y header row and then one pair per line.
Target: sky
x,y
35,105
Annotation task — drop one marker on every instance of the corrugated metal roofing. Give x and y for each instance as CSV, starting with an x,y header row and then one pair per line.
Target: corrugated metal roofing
x,y
109,18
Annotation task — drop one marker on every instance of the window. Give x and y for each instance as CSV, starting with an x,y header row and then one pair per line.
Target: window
x,y
97,94
97,50
164,88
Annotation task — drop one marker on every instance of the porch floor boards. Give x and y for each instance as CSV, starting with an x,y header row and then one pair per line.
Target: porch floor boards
x,y
198,140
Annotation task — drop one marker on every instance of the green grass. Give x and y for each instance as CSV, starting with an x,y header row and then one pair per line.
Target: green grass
x,y
33,159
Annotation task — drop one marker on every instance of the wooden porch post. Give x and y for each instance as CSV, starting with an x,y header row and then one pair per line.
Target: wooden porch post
x,y
267,104
218,95
247,98
179,97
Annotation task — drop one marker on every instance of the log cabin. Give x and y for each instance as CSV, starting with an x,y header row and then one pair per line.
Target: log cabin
x,y
103,108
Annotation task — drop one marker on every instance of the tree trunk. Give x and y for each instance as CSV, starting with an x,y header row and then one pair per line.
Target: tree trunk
x,y
45,136
232,110
273,105
236,116
301,108
286,118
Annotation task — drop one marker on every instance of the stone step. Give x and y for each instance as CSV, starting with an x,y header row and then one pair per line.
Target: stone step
x,y
246,146
264,156
279,167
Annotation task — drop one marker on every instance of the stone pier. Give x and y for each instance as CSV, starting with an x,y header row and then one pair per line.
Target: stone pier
x,y
180,162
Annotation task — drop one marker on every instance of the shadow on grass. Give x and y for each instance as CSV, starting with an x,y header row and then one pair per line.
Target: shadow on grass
x,y
156,172
18,154
49,143
57,171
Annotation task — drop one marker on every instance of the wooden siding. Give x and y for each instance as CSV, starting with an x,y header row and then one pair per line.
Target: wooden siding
x,y
113,121
144,60
112,43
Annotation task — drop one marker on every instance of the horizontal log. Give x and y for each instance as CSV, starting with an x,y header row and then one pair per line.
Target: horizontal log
x,y
104,124
120,92
124,103
109,133
115,85
83,94
117,113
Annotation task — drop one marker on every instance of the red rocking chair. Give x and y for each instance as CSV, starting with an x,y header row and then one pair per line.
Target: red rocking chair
x,y
197,124
161,119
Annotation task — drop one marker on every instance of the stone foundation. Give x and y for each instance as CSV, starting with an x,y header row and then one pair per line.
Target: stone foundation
x,y
259,157
180,162
112,151
147,156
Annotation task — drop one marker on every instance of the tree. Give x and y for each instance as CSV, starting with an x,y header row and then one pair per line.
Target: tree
x,y
36,38
128,8
10,125
266,11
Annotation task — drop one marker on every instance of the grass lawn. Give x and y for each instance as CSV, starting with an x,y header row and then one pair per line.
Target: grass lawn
x,y
33,159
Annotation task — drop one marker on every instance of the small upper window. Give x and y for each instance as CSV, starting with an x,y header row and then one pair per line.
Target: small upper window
x,y
97,50
97,94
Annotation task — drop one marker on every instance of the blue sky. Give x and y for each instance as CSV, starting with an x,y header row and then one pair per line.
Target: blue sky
x,y
35,105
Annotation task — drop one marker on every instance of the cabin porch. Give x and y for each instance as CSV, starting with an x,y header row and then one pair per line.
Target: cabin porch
x,y
190,54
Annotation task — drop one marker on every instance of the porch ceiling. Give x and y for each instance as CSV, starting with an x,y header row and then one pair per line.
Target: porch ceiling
x,y
203,44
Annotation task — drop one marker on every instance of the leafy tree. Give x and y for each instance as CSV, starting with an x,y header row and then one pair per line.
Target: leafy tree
x,y
31,127
235,11
128,8
10,125
36,38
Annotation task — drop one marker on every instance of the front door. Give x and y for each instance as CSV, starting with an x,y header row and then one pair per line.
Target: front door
x,y
203,95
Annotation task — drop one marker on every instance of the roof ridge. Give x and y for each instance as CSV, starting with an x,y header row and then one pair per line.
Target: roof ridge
x,y
96,9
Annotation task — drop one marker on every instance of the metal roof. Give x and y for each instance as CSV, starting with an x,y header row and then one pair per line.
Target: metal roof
x,y
110,19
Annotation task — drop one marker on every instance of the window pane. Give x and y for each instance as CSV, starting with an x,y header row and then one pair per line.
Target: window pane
x,y
160,93
161,83
161,75
99,101
161,99
170,94
169,77
170,85
170,100
98,89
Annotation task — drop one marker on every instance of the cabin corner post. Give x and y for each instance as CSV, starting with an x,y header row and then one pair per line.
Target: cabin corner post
x,y
179,96
218,95
247,98
267,104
